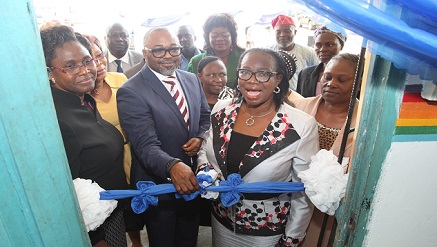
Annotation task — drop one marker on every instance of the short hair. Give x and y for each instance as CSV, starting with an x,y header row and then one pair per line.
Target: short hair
x,y
219,20
353,58
147,34
188,27
115,24
281,69
84,41
205,61
53,38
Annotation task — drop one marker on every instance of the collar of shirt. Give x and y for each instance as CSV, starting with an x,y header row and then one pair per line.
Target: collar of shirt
x,y
162,77
124,59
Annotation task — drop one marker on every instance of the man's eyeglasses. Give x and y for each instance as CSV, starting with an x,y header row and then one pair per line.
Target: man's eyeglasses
x,y
74,70
115,35
160,52
260,76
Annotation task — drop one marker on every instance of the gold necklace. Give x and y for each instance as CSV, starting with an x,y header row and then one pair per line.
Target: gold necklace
x,y
251,120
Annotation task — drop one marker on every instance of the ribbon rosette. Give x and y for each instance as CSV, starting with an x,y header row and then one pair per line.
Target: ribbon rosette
x,y
325,181
141,203
94,211
232,196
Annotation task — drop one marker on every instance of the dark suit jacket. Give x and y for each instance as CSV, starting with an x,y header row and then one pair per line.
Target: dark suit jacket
x,y
307,80
154,125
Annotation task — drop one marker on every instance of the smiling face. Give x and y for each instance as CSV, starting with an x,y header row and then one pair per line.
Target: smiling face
x,y
284,34
338,79
327,45
100,60
220,39
161,39
73,54
255,93
213,78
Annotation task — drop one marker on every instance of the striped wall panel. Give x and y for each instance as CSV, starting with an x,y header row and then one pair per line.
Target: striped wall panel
x,y
417,120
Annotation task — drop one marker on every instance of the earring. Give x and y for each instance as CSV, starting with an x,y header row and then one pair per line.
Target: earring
x,y
230,49
238,87
52,80
277,90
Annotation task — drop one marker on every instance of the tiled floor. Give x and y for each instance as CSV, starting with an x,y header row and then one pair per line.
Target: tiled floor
x,y
204,239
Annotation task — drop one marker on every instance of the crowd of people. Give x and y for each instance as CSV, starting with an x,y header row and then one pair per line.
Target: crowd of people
x,y
176,109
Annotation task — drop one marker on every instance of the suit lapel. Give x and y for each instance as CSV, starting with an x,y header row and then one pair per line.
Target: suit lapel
x,y
160,90
278,135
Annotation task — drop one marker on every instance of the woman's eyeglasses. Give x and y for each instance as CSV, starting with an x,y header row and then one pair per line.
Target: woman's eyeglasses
x,y
260,76
74,70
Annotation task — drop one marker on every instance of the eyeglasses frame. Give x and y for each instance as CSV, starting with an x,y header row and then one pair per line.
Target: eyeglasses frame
x,y
254,74
165,51
63,70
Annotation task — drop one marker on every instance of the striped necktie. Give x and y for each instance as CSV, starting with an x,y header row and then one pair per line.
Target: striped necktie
x,y
178,98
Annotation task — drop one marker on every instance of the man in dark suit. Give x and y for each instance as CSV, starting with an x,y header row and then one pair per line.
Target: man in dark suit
x,y
164,142
119,57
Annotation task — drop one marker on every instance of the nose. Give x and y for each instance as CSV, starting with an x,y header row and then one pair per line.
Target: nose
x,y
167,54
83,69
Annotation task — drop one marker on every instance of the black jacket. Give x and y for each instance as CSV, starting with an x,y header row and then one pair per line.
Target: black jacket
x,y
94,147
307,80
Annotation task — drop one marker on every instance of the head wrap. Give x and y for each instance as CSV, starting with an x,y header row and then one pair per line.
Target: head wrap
x,y
290,62
282,19
338,31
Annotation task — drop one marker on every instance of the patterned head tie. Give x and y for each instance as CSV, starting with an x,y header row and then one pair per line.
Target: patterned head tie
x,y
290,61
338,31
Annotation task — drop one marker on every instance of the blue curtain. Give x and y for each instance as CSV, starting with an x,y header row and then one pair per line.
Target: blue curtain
x,y
407,37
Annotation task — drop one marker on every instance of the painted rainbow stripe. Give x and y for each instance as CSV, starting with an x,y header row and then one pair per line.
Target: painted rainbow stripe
x,y
417,120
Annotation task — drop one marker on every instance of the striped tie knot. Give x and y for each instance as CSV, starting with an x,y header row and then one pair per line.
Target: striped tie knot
x,y
178,98
170,80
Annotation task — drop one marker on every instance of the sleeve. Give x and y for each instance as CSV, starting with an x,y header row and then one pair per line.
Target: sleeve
x,y
301,209
201,155
137,121
72,148
300,82
205,113
192,65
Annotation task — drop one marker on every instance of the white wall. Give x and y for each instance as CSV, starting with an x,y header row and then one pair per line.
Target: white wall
x,y
404,208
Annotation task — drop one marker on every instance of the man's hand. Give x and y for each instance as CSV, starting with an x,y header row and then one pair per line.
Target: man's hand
x,y
192,146
183,179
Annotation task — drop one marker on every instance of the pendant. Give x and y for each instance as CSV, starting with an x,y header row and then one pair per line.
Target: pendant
x,y
250,121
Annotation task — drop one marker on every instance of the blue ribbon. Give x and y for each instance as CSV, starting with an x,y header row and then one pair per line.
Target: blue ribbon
x,y
200,178
231,190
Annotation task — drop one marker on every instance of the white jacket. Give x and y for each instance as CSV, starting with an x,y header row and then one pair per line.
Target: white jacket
x,y
283,150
